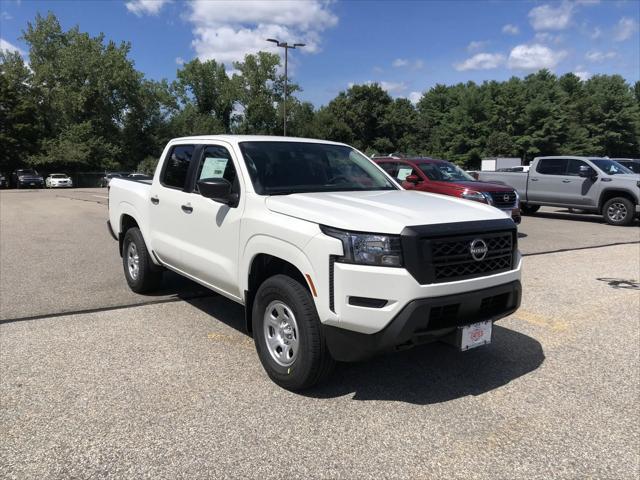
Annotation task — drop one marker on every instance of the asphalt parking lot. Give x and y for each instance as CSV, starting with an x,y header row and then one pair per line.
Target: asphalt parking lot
x,y
97,381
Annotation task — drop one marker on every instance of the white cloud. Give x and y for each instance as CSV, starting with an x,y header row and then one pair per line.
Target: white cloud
x,y
534,57
476,45
624,29
145,7
226,30
10,47
390,87
510,29
546,37
481,61
583,75
547,17
180,60
5,16
403,62
415,97
596,56
596,34
587,2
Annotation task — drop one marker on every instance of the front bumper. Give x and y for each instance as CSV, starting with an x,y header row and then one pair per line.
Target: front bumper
x,y
61,185
425,320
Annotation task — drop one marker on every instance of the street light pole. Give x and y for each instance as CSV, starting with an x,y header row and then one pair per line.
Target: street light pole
x,y
286,47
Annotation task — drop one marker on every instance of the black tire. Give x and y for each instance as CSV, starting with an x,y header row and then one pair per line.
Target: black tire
x,y
527,209
618,211
313,362
149,276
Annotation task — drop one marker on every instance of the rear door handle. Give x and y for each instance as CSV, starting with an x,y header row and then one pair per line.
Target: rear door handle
x,y
187,208
155,200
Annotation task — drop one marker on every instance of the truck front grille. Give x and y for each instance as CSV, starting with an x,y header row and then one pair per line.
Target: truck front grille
x,y
503,199
444,253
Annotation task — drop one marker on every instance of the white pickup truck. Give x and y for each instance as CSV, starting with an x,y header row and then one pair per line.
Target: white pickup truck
x,y
331,258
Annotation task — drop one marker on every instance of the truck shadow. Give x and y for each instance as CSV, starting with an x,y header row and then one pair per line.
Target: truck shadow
x,y
432,373
437,373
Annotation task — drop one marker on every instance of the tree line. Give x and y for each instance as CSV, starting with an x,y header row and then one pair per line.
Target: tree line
x,y
81,105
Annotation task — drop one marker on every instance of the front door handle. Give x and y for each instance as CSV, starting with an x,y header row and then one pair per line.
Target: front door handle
x,y
566,181
155,200
187,208
534,179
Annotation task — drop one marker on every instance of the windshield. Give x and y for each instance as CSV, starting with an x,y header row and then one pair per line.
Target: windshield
x,y
611,167
58,175
280,168
445,172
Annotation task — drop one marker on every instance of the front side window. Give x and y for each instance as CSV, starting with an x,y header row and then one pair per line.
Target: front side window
x,y
280,168
404,170
445,172
552,166
574,165
216,163
176,166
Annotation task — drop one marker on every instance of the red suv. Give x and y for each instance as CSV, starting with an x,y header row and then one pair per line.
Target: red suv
x,y
440,176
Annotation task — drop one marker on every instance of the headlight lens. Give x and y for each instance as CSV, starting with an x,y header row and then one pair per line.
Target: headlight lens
x,y
478,196
368,248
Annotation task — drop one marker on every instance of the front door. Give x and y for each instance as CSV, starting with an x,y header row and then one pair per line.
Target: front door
x,y
213,229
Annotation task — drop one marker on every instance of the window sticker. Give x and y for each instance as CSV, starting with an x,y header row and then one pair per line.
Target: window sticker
x,y
404,172
214,167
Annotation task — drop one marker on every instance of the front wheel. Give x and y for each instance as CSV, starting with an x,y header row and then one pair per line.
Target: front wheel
x,y
618,211
288,335
142,274
529,209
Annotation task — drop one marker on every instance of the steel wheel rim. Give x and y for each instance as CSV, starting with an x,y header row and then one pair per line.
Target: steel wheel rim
x,y
133,261
281,334
617,211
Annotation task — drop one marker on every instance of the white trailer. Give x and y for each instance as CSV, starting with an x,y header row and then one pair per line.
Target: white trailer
x,y
493,164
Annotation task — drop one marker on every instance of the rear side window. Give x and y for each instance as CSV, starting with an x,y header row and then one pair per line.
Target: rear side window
x,y
552,166
176,166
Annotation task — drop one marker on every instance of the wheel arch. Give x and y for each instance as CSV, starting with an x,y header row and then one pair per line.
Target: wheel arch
x,y
610,193
267,256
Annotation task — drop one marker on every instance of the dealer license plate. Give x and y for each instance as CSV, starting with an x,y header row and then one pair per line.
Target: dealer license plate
x,y
32,183
475,335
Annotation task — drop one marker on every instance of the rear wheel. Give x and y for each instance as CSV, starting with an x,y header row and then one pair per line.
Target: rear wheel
x,y
529,209
288,335
618,211
142,274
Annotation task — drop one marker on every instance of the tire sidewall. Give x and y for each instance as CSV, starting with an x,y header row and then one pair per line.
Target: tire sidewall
x,y
627,220
277,288
140,284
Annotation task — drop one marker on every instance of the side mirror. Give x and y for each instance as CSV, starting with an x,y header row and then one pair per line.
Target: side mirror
x,y
415,179
587,172
218,190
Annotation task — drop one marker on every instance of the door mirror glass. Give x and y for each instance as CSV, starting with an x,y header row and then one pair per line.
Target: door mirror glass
x,y
218,190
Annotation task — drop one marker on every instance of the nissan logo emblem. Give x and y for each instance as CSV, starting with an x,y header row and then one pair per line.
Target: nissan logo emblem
x,y
478,249
506,197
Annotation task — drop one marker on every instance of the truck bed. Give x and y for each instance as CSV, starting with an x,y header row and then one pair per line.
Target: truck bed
x,y
516,180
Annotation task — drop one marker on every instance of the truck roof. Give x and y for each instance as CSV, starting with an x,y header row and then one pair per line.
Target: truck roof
x,y
577,157
251,138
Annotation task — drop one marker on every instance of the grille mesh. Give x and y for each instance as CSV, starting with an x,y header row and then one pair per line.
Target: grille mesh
x,y
503,199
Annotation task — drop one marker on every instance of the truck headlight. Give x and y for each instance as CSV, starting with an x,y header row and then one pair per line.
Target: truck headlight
x,y
367,248
477,196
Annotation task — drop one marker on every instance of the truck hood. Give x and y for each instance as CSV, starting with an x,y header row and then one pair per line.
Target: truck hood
x,y
380,211
476,186
625,176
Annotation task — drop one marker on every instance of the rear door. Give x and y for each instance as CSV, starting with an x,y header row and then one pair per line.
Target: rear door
x,y
168,215
548,181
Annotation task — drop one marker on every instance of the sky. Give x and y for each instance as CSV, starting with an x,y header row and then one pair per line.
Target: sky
x,y
405,46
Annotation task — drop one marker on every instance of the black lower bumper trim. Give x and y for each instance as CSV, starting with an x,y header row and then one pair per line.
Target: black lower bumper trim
x,y
425,320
